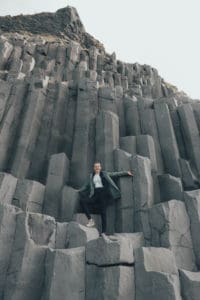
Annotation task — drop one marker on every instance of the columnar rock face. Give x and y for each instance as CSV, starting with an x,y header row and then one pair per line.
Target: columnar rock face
x,y
57,176
170,226
57,284
64,104
110,269
156,274
192,201
190,284
143,192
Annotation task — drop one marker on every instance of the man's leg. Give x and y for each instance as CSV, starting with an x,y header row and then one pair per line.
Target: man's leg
x,y
103,198
84,203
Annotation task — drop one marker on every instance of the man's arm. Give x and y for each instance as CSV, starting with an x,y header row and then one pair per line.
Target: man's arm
x,y
85,186
120,173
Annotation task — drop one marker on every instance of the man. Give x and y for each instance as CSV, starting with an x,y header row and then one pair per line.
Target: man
x,y
98,189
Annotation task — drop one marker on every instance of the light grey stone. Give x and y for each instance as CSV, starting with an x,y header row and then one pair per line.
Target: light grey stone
x,y
34,234
5,51
168,143
7,187
156,274
29,195
190,284
8,219
9,127
124,206
110,250
28,133
110,283
57,176
131,116
192,202
189,179
106,142
79,235
145,147
190,134
61,233
143,194
84,135
5,88
128,144
57,284
170,227
69,203
170,187
149,126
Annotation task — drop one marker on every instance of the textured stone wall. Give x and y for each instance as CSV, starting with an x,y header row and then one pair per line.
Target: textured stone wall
x,y
64,103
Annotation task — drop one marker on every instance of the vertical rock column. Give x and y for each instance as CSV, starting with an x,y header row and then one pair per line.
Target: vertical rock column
x,y
143,192
11,119
167,139
192,201
7,188
38,169
29,195
149,126
84,135
156,274
190,134
5,89
25,275
8,218
110,269
5,52
58,173
28,132
51,137
120,110
107,139
65,274
170,227
131,116
124,206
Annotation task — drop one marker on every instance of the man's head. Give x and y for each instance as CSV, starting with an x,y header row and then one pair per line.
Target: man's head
x,y
97,167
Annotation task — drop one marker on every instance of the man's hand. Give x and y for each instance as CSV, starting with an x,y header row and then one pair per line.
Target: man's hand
x,y
130,173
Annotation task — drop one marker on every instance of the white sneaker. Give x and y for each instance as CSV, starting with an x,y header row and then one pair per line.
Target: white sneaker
x,y
91,223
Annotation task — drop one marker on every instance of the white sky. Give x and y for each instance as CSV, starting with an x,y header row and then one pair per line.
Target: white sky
x,y
161,33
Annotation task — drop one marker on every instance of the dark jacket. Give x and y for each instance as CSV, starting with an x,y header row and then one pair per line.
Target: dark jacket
x,y
107,181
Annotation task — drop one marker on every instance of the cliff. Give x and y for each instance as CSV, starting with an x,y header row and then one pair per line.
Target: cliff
x,y
65,103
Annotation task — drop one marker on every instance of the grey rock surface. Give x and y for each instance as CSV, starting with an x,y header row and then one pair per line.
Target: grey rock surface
x,y
110,250
190,284
156,274
170,187
170,227
114,282
192,202
78,235
57,284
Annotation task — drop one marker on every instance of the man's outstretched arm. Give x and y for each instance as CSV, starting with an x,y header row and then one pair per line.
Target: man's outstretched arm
x,y
120,173
84,187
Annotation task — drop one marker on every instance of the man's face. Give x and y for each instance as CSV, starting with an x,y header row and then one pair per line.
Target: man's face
x,y
97,167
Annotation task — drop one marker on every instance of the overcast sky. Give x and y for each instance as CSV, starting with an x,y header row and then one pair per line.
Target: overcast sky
x,y
161,33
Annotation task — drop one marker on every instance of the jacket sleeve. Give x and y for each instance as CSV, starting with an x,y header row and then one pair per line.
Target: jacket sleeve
x,y
85,186
118,174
